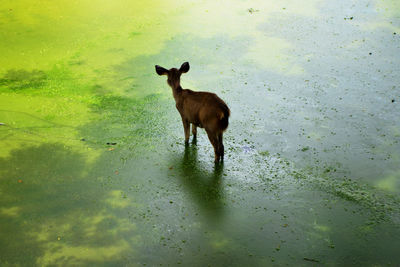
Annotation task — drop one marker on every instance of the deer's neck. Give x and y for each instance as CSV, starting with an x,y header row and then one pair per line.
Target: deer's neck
x,y
176,91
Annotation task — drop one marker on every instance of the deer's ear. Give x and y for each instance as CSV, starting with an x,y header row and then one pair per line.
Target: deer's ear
x,y
161,71
185,67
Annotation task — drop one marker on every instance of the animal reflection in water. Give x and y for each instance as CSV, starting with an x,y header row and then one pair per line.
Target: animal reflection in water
x,y
204,187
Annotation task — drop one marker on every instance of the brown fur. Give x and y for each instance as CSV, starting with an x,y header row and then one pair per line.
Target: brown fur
x,y
201,109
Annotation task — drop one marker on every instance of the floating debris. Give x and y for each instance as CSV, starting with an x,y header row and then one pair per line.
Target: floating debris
x,y
111,144
304,149
309,259
248,149
252,10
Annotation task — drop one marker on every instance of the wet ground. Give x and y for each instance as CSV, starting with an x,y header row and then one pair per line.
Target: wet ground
x,y
93,167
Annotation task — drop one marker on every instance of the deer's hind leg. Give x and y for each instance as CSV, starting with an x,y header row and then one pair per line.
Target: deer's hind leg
x,y
214,141
221,151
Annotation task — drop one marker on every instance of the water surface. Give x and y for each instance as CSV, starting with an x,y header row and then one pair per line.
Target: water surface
x,y
93,167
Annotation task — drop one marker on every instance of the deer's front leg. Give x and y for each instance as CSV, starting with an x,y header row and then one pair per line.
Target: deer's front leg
x,y
194,131
186,128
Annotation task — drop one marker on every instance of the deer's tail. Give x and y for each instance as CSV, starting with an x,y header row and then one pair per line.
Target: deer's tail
x,y
224,117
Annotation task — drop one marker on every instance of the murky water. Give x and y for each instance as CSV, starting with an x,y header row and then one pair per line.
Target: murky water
x,y
93,167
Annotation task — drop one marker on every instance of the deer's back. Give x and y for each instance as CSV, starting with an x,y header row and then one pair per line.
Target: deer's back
x,y
204,109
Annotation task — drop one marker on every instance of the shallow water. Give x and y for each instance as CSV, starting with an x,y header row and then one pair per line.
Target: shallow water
x,y
311,174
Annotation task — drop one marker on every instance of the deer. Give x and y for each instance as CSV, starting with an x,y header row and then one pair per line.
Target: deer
x,y
201,109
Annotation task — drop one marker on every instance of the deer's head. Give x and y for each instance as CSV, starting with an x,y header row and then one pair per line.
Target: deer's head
x,y
174,74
